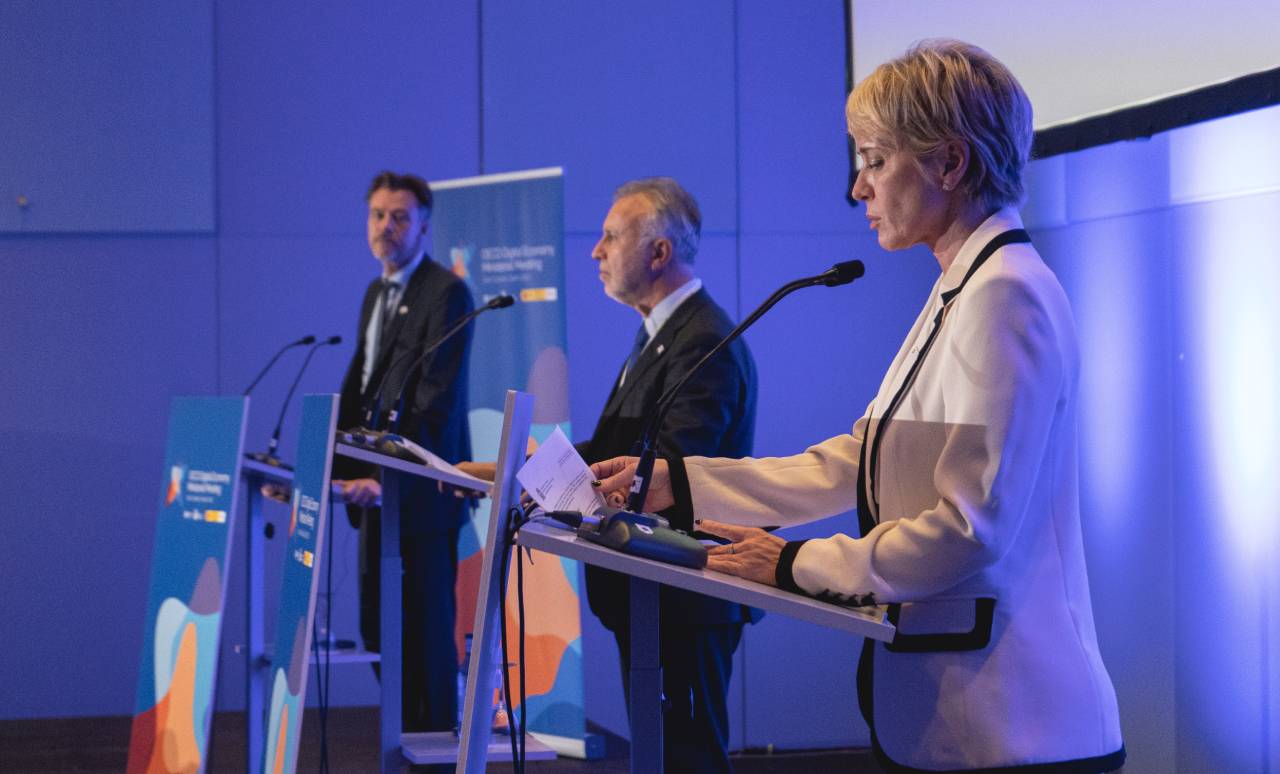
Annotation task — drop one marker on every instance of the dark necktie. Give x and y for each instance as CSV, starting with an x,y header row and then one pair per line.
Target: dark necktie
x,y
642,338
390,300
383,314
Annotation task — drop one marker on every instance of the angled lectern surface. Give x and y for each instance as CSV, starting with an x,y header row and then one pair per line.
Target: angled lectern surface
x,y
646,574
475,741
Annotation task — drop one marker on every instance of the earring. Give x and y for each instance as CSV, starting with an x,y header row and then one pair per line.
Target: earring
x,y
947,186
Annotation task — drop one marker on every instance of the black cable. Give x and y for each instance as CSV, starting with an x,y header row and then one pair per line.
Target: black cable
x,y
315,650
508,533
328,649
520,623
324,661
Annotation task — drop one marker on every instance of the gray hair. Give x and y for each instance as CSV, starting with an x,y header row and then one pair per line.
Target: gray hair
x,y
675,213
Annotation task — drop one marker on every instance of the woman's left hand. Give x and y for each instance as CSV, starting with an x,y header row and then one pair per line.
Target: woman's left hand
x,y
753,554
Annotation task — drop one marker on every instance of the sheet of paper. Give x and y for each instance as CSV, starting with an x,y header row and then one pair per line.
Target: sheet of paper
x,y
558,479
433,460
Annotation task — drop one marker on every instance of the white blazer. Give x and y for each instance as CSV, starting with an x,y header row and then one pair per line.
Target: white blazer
x,y
976,483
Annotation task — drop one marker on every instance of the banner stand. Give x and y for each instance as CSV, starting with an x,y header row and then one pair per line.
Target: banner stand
x,y
196,515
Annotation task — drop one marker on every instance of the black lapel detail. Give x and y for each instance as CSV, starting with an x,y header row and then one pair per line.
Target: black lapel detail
x,y
1000,240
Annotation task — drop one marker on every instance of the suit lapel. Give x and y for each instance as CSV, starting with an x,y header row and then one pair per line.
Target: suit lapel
x,y
657,348
404,308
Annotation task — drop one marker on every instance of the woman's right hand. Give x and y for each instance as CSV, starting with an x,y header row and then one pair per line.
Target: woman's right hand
x,y
614,477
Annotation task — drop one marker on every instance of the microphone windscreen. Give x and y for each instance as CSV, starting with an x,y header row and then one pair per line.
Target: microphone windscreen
x,y
501,302
333,340
305,340
843,273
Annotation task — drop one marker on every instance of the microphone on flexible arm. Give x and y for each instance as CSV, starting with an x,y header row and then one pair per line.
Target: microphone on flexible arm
x,y
647,535
269,456
646,446
368,433
302,342
391,442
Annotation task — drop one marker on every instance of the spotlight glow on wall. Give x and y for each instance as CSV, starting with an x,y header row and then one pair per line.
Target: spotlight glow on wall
x,y
1233,258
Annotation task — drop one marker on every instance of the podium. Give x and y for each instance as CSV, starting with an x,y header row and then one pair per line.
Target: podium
x,y
473,745
646,677
257,660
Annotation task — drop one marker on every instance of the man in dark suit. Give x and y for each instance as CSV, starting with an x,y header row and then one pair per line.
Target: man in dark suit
x,y
411,303
645,258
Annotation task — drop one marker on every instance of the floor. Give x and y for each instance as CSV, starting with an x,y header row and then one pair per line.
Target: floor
x,y
101,745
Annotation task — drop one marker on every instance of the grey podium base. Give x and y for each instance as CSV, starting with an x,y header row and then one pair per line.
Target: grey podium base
x,y
335,657
442,747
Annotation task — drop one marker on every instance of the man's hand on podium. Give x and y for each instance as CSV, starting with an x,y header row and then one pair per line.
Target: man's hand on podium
x,y
364,492
278,492
485,471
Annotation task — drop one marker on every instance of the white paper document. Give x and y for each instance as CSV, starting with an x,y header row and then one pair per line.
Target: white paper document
x,y
432,460
558,479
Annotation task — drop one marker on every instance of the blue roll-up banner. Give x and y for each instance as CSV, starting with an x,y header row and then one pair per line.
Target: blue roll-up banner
x,y
176,678
304,547
505,234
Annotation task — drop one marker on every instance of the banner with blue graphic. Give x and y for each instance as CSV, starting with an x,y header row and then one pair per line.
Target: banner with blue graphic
x,y
304,545
176,678
505,234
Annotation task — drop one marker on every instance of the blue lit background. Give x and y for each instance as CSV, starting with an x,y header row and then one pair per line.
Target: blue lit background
x,y
1168,247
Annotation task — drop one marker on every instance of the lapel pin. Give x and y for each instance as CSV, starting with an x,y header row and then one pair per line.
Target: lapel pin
x,y
662,348
403,310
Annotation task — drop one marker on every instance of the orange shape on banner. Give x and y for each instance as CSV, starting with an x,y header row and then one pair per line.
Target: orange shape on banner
x,y
282,740
179,752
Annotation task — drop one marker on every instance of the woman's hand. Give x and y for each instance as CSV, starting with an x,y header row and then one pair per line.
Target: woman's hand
x,y
753,554
614,477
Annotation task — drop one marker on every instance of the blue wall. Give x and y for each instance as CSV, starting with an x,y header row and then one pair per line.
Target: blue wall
x,y
1167,247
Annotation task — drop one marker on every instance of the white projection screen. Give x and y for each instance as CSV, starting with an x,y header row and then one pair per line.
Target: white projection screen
x,y
1088,59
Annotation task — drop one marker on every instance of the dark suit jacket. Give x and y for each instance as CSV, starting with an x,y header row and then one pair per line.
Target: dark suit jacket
x,y
435,413
713,416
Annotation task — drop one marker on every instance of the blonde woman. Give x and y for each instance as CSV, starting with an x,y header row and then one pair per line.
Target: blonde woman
x,y
963,468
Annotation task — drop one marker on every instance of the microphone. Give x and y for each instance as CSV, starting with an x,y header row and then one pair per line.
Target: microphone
x,y
501,301
645,535
302,342
369,434
840,274
269,456
373,409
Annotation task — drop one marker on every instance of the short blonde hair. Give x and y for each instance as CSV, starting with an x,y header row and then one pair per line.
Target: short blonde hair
x,y
943,90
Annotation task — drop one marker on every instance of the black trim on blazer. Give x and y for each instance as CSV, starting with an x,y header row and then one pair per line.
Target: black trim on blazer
x,y
977,638
786,560
1012,236
680,515
866,666
1097,765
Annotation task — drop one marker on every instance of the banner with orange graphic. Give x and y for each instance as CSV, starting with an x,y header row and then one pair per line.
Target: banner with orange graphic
x,y
505,234
304,543
174,703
